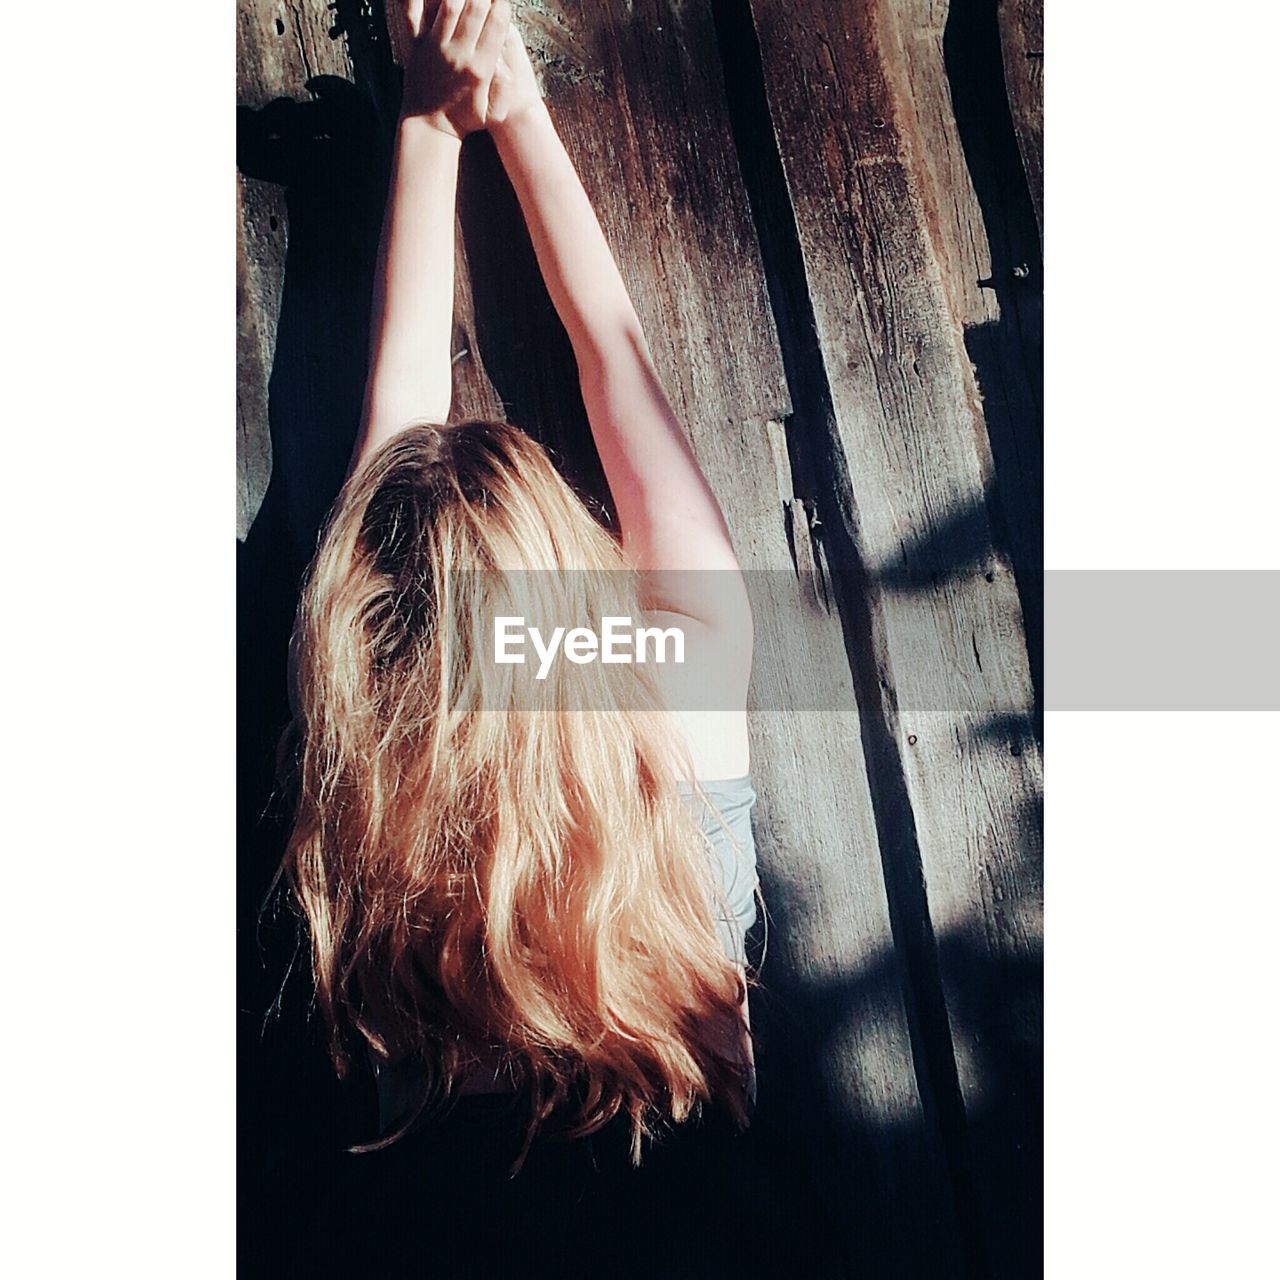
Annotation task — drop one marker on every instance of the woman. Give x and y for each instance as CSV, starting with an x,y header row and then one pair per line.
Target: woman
x,y
532,889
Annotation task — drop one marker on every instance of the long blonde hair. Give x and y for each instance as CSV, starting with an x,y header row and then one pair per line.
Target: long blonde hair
x,y
484,869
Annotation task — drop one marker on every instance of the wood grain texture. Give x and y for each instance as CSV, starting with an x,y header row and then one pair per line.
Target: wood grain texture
x,y
944,632
259,277
1022,34
280,46
946,183
984,232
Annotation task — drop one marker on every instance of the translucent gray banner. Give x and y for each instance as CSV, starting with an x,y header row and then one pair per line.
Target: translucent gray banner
x,y
951,644
1162,640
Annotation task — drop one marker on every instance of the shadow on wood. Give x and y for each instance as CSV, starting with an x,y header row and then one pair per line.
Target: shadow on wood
x,y
330,158
1008,355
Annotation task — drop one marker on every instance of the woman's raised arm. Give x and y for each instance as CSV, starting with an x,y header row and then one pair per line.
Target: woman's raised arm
x,y
455,49
670,519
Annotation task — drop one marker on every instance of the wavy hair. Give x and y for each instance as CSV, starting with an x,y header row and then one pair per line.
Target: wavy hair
x,y
493,868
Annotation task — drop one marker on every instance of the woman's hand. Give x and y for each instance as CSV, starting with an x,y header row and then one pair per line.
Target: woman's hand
x,y
515,87
449,76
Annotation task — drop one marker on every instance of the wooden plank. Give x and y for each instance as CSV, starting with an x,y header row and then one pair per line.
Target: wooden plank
x,y
1022,36
985,233
259,276
961,241
280,45
940,629
636,90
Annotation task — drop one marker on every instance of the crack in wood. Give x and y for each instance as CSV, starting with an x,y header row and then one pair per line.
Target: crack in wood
x,y
302,44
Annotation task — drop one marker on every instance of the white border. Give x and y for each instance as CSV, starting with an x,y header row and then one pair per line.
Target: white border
x,y
119,760
1160,453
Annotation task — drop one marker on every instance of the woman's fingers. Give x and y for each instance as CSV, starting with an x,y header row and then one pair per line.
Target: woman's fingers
x,y
470,24
412,10
493,37
450,79
446,20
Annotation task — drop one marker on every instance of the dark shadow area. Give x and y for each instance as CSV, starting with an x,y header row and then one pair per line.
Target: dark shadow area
x,y
706,1203
994,1005
330,157
1016,733
362,23
1008,356
956,545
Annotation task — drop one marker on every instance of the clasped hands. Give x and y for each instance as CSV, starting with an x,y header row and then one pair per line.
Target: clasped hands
x,y
468,69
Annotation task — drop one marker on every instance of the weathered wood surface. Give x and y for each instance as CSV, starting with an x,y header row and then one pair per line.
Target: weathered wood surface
x,y
280,47
943,624
830,397
985,234
1022,35
258,280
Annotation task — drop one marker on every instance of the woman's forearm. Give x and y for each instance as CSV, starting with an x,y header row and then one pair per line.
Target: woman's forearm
x,y
669,517
575,258
410,373
452,61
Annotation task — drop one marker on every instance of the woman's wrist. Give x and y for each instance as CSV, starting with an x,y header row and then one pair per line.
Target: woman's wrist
x,y
528,121
422,130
